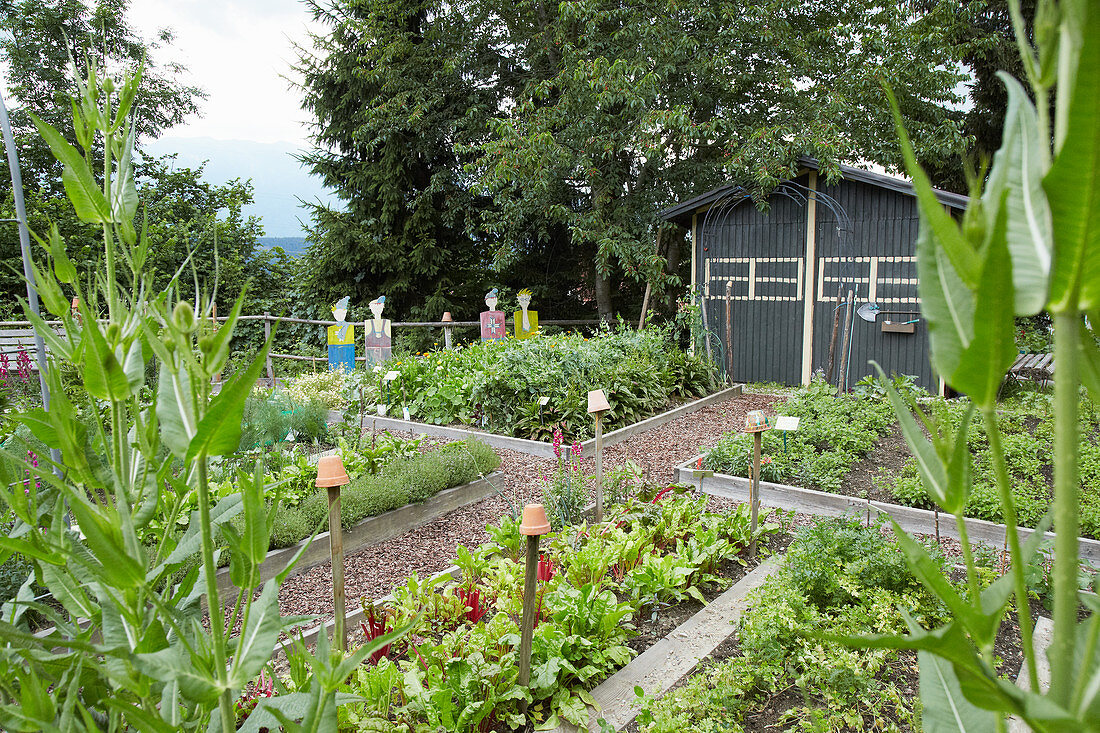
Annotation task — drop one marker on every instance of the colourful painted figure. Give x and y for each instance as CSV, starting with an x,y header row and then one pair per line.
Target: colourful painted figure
x,y
341,339
376,336
527,322
492,320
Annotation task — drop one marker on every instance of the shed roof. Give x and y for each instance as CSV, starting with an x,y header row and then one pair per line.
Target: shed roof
x,y
681,213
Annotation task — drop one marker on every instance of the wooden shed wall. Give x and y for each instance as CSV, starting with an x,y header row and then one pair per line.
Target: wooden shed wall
x,y
882,268
876,259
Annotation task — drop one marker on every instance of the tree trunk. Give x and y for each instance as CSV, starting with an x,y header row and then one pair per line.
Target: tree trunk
x,y
602,285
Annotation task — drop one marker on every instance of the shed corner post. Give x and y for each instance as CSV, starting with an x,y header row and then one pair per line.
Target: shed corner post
x,y
810,269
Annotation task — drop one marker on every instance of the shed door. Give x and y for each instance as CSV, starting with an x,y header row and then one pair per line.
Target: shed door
x,y
761,255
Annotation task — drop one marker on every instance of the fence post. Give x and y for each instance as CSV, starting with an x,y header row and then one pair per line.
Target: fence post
x,y
267,337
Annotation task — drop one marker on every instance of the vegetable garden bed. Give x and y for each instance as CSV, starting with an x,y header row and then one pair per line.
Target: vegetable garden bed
x,y
545,449
921,521
369,531
843,579
598,585
848,453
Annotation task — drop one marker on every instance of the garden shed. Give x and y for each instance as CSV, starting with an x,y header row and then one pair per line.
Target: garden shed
x,y
780,270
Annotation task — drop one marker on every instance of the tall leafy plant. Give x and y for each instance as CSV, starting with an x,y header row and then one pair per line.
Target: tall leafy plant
x,y
1029,241
128,647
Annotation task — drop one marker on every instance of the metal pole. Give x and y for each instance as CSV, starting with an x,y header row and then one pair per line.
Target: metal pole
x,y
599,468
336,550
832,339
25,250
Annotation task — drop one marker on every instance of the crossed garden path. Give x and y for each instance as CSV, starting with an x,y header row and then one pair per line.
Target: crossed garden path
x,y
373,571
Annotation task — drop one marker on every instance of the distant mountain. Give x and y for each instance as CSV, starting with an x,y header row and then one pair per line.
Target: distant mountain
x,y
279,181
293,246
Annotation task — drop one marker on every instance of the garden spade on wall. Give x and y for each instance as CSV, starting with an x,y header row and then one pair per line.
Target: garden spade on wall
x,y
868,312
378,346
341,339
527,321
492,320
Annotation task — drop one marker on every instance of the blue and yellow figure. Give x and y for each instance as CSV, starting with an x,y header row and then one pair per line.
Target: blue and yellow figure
x,y
341,339
527,321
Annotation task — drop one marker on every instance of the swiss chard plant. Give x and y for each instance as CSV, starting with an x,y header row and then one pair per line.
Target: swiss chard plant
x,y
1029,241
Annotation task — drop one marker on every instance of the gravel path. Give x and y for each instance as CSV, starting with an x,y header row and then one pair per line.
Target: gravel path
x,y
372,572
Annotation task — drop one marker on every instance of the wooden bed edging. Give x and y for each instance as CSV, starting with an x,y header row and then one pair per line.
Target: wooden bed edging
x,y
371,530
910,519
538,447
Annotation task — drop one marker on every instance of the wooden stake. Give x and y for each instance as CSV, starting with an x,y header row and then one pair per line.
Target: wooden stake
x,y
842,377
729,329
649,286
336,550
754,488
267,337
832,339
599,469
527,624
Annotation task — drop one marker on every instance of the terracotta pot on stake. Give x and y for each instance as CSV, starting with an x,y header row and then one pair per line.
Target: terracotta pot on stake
x,y
534,525
331,475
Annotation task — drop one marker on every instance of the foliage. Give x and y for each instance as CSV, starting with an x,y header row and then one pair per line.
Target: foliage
x,y
545,138
498,385
388,114
272,417
1027,432
834,433
565,492
127,648
839,579
44,36
326,387
1026,243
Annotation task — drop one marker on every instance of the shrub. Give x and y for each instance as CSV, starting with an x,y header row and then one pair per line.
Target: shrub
x,y
325,387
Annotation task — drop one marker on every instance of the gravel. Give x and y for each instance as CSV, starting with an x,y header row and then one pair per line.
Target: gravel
x,y
372,572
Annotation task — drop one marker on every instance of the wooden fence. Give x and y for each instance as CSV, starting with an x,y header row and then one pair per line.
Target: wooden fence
x,y
269,319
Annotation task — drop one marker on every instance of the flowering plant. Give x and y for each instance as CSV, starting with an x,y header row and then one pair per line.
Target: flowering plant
x,y
565,492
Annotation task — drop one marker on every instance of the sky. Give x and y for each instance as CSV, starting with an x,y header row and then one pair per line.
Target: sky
x,y
240,52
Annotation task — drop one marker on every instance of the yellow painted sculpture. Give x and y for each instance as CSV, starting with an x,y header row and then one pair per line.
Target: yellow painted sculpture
x,y
527,321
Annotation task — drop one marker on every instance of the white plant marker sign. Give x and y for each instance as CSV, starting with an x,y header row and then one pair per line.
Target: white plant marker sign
x,y
786,424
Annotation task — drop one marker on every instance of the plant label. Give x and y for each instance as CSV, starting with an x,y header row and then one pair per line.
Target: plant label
x,y
390,376
544,401
786,424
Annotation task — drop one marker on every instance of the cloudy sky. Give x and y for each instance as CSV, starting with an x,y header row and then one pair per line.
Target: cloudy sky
x,y
240,53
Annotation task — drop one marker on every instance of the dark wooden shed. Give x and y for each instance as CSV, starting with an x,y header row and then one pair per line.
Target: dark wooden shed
x,y
785,266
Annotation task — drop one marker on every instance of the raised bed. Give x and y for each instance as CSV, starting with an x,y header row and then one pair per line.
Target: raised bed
x,y
922,521
537,447
661,666
370,531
